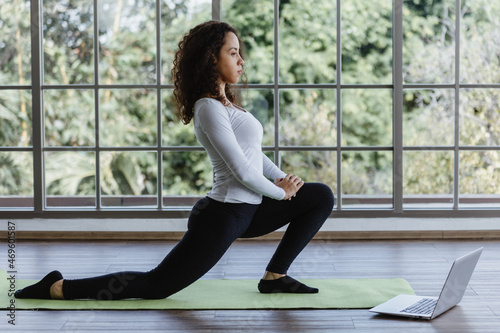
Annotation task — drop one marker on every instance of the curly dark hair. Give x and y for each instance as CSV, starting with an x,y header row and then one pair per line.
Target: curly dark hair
x,y
194,71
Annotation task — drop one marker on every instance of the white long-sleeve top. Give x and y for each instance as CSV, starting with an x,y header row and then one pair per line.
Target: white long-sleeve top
x,y
232,138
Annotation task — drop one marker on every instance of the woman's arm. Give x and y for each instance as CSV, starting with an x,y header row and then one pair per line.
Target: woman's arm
x,y
270,169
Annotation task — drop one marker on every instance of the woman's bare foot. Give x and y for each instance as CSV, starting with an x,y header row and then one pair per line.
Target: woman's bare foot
x,y
56,290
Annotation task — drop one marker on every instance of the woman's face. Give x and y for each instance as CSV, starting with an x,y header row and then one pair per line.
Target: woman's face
x,y
230,63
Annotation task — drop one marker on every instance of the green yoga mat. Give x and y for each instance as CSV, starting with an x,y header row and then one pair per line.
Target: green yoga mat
x,y
233,294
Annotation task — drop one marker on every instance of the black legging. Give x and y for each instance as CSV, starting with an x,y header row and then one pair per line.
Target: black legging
x,y
212,227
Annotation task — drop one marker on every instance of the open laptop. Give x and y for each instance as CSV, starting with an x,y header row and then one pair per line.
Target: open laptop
x,y
430,307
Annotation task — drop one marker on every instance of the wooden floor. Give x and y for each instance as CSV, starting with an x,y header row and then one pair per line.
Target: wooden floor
x,y
423,263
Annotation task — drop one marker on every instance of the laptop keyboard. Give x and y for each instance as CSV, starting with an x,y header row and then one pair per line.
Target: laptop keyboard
x,y
424,306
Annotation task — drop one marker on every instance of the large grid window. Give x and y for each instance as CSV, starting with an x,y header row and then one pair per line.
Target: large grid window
x,y
393,103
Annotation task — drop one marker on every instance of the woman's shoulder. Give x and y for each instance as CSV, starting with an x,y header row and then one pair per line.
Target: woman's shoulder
x,y
207,104
209,111
208,101
213,108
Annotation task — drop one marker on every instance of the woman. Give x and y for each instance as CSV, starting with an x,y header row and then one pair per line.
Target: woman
x,y
242,203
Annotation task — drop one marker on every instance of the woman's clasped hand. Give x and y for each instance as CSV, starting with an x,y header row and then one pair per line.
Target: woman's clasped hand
x,y
291,184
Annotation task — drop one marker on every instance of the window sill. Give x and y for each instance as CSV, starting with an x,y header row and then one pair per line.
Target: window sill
x,y
334,228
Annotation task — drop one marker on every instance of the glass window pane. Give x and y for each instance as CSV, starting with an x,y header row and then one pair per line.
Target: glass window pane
x,y
429,41
129,179
366,117
15,118
307,44
254,22
16,174
128,117
480,117
185,174
69,117
479,42
312,166
479,179
367,42
68,41
429,117
177,18
428,179
308,117
127,38
261,104
175,133
70,179
15,44
367,180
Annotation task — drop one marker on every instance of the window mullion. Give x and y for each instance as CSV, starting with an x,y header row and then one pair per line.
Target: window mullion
x,y
36,91
398,105
277,154
159,134
457,107
339,105
96,106
216,10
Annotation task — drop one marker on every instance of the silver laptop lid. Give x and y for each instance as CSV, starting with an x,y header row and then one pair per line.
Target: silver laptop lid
x,y
456,282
